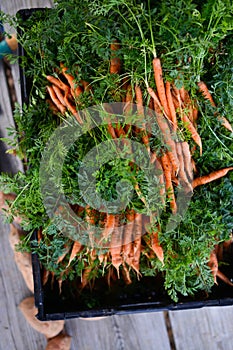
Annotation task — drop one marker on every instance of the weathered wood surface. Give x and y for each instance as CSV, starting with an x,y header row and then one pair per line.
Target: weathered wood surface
x,y
207,328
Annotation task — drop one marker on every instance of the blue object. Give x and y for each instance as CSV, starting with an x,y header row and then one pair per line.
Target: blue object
x,y
4,49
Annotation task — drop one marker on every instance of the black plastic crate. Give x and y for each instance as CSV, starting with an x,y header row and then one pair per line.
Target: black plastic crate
x,y
146,295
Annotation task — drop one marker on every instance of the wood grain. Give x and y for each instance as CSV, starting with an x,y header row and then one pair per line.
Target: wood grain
x,y
121,332
207,328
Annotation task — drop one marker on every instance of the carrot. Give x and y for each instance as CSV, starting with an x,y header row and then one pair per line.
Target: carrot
x,y
213,265
77,246
137,236
52,106
182,174
55,100
155,245
72,109
76,90
205,92
168,182
207,95
63,255
116,245
195,136
140,110
172,110
224,278
115,62
59,94
127,235
158,75
126,275
162,191
210,177
183,93
188,167
109,226
90,216
57,83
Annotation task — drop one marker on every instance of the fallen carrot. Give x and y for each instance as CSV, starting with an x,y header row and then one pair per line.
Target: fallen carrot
x,y
210,177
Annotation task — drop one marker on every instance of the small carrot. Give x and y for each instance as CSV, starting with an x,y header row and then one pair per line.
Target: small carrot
x,y
115,62
168,182
182,174
172,110
205,92
109,226
126,274
59,94
77,246
57,83
195,136
55,100
210,177
213,265
72,109
188,166
155,245
116,245
137,237
224,278
140,110
76,90
158,75
52,106
207,95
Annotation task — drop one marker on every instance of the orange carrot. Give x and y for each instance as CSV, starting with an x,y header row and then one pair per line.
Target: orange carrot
x,y
162,191
158,75
213,265
116,245
109,227
90,216
207,95
127,235
168,182
115,62
137,236
59,94
155,245
77,246
188,167
205,92
140,110
126,275
63,255
52,106
55,100
171,106
182,174
224,278
210,177
72,109
195,136
57,83
76,90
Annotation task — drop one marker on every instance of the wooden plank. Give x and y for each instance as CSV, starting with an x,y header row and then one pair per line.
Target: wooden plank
x,y
16,334
120,332
9,163
207,328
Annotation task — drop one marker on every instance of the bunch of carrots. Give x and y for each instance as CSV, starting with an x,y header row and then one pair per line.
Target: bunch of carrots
x,y
173,107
